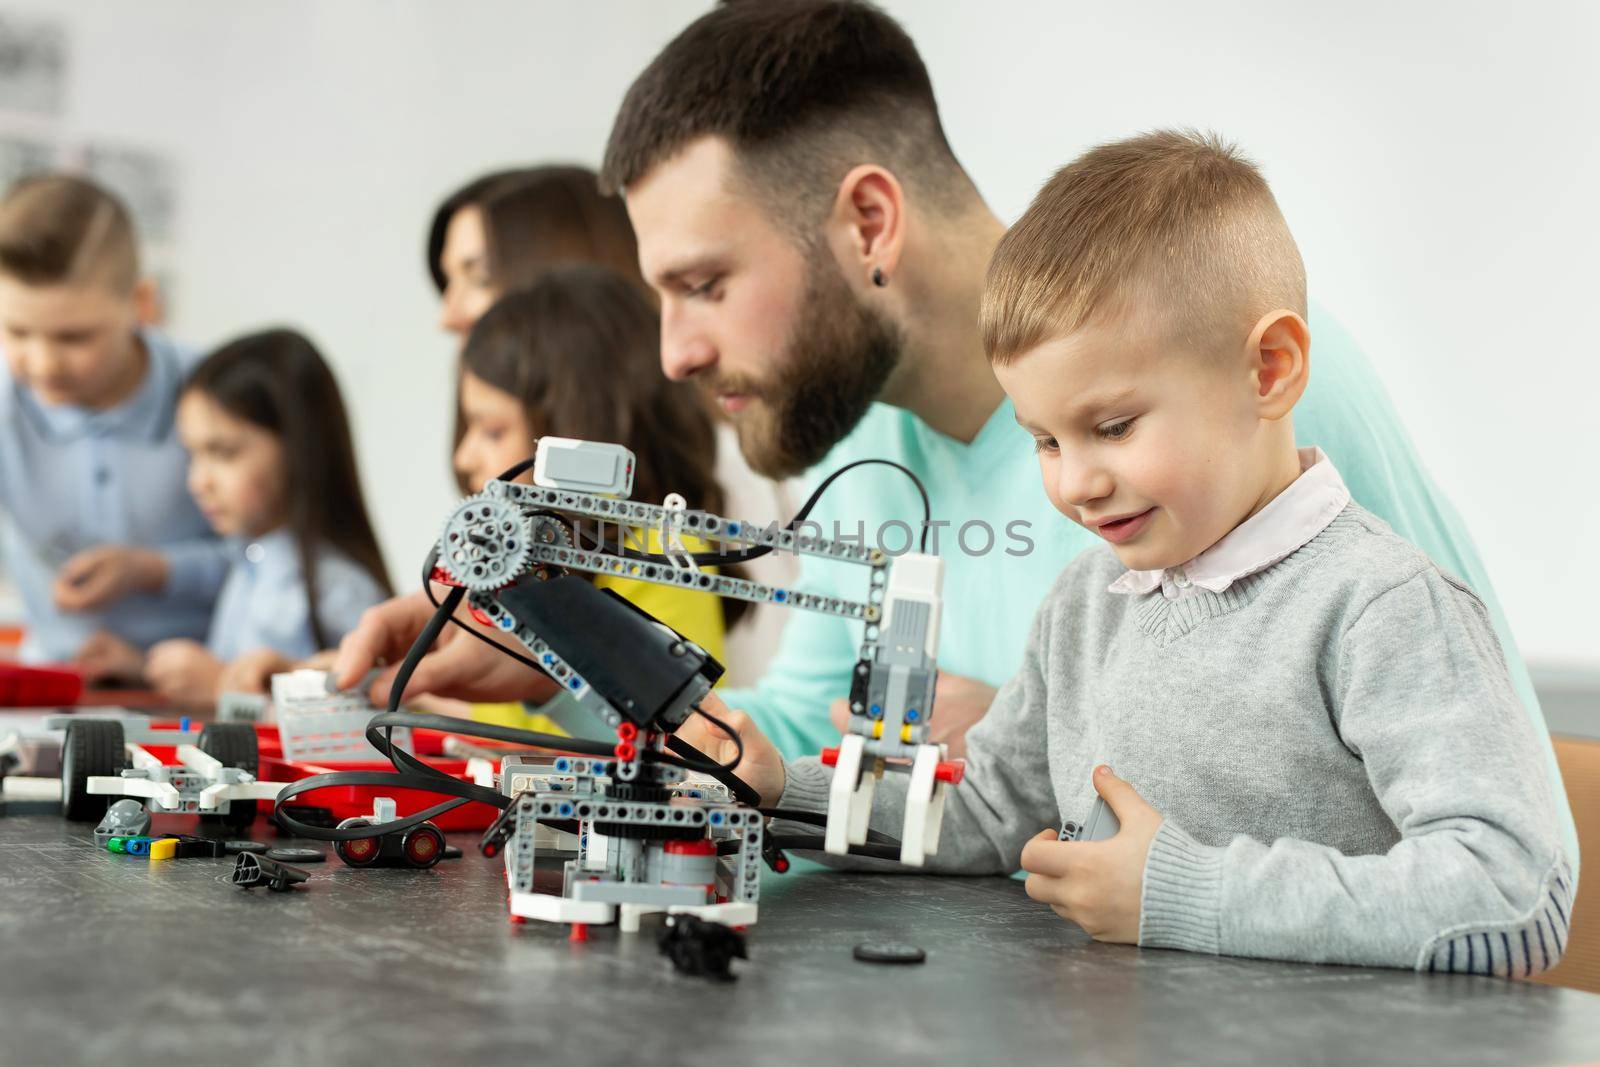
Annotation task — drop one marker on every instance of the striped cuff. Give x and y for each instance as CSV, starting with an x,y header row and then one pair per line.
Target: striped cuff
x,y
805,786
1182,899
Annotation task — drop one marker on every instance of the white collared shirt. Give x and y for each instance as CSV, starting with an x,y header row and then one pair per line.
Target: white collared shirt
x,y
1289,520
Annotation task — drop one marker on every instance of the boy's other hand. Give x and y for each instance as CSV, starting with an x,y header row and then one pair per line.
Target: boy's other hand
x,y
105,657
958,703
1097,884
97,577
761,767
459,666
184,672
253,671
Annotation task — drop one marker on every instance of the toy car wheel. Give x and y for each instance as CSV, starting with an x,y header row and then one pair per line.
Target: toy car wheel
x,y
362,851
423,845
91,748
233,744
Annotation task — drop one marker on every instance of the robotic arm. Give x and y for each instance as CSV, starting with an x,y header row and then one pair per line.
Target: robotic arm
x,y
512,548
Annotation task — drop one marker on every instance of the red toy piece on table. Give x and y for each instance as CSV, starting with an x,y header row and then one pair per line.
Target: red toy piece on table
x,y
38,687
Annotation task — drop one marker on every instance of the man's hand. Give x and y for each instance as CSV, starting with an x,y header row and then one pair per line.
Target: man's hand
x,y
184,672
459,666
97,577
958,703
253,671
761,767
107,657
1097,884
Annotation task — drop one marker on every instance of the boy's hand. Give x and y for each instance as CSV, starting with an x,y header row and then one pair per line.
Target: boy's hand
x,y
761,767
1097,884
253,671
958,703
184,672
105,657
103,575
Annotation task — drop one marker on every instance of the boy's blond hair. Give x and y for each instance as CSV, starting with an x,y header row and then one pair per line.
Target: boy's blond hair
x,y
57,229
1174,220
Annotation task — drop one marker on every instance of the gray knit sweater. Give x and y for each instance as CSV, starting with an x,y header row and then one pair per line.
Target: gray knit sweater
x,y
1345,772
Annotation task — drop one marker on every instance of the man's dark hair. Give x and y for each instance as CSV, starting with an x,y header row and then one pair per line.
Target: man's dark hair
x,y
802,90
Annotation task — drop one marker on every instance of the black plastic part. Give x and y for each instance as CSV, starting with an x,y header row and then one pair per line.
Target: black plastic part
x,y
92,747
258,847
422,846
888,952
233,744
700,947
250,870
190,847
451,852
638,664
352,852
296,855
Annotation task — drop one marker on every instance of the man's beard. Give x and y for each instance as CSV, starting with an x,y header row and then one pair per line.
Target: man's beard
x,y
835,364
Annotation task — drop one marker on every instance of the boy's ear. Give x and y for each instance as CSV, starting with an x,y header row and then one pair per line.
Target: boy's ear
x,y
1279,357
866,228
147,307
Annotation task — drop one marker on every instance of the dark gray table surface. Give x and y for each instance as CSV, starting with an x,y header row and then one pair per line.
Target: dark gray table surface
x,y
110,959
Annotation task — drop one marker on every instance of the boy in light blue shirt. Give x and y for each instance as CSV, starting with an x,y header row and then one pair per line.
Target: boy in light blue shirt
x,y
106,547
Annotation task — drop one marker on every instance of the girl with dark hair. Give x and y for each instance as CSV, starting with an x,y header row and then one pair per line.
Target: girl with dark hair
x,y
272,467
574,355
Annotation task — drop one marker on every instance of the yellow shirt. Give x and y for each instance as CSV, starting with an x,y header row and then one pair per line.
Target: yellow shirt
x,y
695,615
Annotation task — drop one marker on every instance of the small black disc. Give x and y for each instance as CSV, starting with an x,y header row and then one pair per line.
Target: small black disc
x,y
232,847
889,952
451,852
297,855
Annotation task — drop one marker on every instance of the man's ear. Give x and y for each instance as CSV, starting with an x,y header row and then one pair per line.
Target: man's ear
x,y
867,227
1278,355
147,309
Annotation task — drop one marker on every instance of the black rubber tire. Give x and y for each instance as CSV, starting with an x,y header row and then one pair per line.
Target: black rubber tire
x,y
233,744
91,747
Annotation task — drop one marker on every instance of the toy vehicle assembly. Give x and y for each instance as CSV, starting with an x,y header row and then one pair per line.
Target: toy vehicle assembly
x,y
215,777
648,838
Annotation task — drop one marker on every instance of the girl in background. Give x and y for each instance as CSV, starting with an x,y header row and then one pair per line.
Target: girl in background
x,y
575,355
502,231
272,467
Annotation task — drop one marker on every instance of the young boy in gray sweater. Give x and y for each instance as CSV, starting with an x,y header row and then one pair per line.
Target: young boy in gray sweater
x,y
1317,749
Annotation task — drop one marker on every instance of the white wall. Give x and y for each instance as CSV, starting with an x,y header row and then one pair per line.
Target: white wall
x,y
1438,164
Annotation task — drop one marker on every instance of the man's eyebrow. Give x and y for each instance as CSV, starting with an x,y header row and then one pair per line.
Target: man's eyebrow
x,y
696,264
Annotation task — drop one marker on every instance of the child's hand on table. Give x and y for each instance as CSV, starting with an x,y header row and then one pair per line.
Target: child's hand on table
x,y
1097,884
184,672
105,574
107,657
253,671
761,767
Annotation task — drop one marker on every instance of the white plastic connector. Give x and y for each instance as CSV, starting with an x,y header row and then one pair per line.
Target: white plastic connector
x,y
583,466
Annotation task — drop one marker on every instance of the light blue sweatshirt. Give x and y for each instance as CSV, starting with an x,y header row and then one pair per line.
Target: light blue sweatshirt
x,y
72,479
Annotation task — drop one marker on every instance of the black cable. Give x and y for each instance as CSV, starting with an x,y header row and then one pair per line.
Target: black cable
x,y
813,843
820,818
427,588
